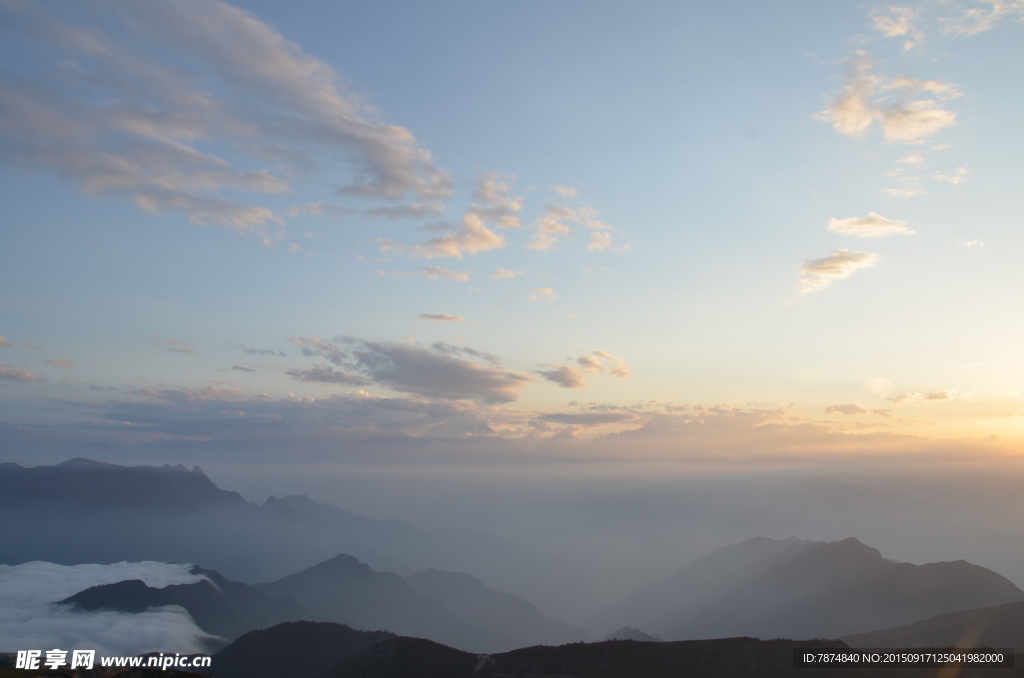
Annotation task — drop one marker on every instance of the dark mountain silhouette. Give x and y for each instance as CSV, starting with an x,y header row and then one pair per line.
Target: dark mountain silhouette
x,y
220,607
841,588
629,633
508,621
347,591
292,650
84,483
997,626
722,658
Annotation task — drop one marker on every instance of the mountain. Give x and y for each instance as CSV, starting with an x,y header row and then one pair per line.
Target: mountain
x,y
292,650
997,626
347,591
83,511
660,605
508,621
220,607
94,485
629,633
841,588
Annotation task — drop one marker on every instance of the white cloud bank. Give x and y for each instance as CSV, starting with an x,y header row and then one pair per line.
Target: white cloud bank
x,y
30,619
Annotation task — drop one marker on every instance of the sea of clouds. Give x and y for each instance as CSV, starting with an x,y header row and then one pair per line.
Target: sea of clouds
x,y
31,619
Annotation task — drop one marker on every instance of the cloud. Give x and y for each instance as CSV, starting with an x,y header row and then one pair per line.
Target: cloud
x,y
29,617
441,317
413,211
618,367
176,345
565,376
438,371
589,419
905,192
938,395
543,294
846,408
242,368
100,110
61,362
600,240
874,225
589,364
11,373
431,273
551,225
469,237
903,118
4,342
264,351
912,159
505,274
979,19
325,374
896,22
818,274
499,207
904,398
957,177
564,191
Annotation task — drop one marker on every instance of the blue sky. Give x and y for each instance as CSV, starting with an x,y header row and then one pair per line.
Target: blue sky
x,y
722,229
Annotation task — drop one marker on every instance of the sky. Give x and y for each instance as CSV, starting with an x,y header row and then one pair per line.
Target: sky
x,y
493,232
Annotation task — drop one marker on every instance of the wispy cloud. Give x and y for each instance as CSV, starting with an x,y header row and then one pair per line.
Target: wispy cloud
x,y
904,192
60,362
543,294
904,118
11,373
846,408
554,223
874,225
439,371
431,273
175,345
977,19
4,342
505,274
499,206
441,317
898,22
818,274
565,376
325,374
104,113
958,176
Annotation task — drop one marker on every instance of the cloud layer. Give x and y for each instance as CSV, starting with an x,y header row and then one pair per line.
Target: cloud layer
x,y
29,619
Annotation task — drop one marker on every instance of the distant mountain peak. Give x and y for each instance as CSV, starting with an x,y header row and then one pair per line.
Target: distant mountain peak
x,y
82,462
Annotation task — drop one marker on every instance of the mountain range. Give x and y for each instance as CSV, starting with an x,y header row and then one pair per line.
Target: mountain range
x,y
794,588
450,607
